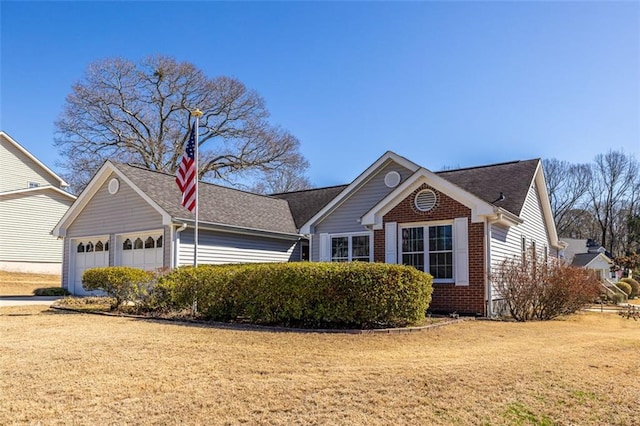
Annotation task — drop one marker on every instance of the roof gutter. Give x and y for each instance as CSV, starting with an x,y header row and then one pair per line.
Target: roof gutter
x,y
504,217
176,239
243,230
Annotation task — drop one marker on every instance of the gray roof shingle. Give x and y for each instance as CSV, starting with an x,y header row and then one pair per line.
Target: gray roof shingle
x,y
217,204
512,179
583,259
304,204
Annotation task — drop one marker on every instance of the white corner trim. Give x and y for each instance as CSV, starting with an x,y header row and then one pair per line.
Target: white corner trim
x,y
355,185
541,188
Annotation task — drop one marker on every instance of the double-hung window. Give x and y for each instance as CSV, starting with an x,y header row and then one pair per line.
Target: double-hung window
x,y
429,248
351,248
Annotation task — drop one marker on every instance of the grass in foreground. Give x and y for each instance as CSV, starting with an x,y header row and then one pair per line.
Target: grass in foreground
x,y
23,284
85,369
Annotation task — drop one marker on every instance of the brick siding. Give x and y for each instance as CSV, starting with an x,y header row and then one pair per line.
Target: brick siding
x,y
446,297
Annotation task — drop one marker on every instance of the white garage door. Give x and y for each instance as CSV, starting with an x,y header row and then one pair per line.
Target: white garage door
x,y
88,253
141,250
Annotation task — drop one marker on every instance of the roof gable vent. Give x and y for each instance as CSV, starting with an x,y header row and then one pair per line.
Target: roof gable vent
x,y
425,200
392,179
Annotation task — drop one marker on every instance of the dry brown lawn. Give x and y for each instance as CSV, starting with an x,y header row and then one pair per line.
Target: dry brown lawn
x,y
71,368
12,283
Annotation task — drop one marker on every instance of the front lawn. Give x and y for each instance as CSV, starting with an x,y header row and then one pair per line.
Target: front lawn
x,y
23,284
71,368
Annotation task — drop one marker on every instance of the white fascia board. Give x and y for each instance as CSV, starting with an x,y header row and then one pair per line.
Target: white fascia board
x,y
604,257
33,158
94,185
40,188
240,230
479,208
355,185
550,223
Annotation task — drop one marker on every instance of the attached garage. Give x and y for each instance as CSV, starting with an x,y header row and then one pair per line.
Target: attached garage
x,y
89,252
138,213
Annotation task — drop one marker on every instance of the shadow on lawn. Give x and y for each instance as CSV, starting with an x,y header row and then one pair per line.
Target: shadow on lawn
x,y
242,326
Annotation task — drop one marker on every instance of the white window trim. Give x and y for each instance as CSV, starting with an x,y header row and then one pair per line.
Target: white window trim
x,y
402,226
350,235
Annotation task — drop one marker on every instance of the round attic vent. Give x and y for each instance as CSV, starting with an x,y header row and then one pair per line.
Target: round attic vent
x,y
114,186
392,179
425,200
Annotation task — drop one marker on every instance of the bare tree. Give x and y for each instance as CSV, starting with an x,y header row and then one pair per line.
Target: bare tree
x,y
140,113
614,177
567,185
285,179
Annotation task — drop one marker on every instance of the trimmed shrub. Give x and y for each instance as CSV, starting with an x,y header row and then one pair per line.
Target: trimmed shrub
x,y
538,290
123,283
624,286
616,298
51,291
635,287
307,294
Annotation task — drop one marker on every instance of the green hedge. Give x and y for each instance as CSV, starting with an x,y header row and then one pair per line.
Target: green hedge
x,y
626,287
304,294
123,283
635,287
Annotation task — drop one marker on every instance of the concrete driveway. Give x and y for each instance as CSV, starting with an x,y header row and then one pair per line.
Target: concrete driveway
x,y
27,300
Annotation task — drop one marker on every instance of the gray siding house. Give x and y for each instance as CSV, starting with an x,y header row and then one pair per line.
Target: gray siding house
x,y
456,225
131,216
32,201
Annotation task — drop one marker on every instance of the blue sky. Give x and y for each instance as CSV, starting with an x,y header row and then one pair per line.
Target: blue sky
x,y
452,84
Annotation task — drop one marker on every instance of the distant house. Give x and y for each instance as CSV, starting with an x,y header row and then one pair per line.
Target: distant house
x,y
455,224
32,201
587,254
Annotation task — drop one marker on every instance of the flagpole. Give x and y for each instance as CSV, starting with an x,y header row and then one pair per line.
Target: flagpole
x,y
197,114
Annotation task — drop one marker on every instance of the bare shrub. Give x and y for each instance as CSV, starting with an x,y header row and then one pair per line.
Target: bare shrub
x,y
533,289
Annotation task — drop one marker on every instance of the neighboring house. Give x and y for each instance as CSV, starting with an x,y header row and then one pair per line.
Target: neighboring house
x,y
32,201
587,254
455,224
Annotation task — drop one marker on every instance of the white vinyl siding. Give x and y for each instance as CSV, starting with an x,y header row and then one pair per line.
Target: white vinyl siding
x,y
221,248
26,222
17,169
506,243
344,219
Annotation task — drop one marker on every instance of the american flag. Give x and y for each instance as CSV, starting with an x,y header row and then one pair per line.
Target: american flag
x,y
186,176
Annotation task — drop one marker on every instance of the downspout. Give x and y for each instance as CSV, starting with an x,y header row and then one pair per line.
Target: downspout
x,y
488,295
176,244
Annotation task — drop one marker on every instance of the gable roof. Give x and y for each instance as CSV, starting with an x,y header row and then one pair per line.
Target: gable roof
x,y
511,179
304,204
358,182
584,259
218,206
20,148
